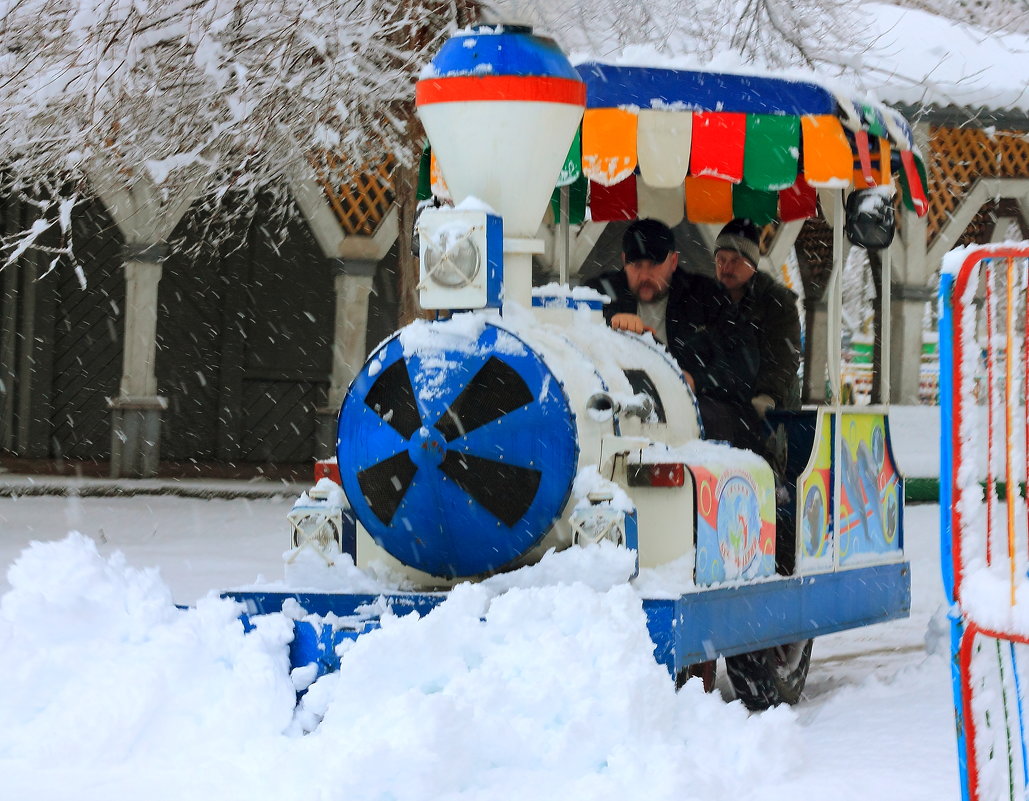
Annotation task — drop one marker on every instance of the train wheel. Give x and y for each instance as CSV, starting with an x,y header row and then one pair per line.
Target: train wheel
x,y
771,676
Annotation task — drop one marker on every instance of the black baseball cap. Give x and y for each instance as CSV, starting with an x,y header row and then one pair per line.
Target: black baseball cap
x,y
647,239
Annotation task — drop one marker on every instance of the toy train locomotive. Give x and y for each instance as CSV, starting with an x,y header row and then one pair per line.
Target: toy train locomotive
x,y
521,423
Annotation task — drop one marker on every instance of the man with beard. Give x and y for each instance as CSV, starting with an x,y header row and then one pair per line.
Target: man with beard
x,y
694,318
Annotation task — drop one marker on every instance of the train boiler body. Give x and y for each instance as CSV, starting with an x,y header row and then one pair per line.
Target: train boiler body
x,y
467,445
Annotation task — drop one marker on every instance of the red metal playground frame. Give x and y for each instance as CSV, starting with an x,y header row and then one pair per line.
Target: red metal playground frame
x,y
1000,276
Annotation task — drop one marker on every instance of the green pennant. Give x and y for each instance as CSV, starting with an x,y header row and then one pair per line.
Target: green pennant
x,y
572,168
425,174
761,207
771,151
576,201
875,125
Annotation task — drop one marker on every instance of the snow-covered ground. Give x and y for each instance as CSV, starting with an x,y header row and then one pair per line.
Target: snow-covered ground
x,y
107,691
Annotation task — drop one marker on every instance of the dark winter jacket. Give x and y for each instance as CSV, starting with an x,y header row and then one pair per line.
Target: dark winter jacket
x,y
704,335
770,309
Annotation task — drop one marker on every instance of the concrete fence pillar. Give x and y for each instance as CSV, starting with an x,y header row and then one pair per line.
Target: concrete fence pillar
x,y
907,313
353,286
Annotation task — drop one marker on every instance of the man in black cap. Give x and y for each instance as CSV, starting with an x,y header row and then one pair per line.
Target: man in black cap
x,y
693,316
769,308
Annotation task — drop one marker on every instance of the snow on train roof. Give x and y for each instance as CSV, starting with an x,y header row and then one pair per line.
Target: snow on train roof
x,y
900,56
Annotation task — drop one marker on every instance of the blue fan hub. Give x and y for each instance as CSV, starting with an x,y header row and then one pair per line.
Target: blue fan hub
x,y
457,458
427,448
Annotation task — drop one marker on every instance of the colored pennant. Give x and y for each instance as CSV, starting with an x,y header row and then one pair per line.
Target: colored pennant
x,y
608,145
439,186
663,147
874,121
771,152
571,170
424,191
863,177
885,178
718,144
613,203
799,202
826,155
759,205
708,200
576,201
665,205
913,183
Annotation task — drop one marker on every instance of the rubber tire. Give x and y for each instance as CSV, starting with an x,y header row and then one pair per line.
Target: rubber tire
x,y
772,676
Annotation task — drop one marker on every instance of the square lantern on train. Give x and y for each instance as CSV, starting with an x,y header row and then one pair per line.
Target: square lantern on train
x,y
460,255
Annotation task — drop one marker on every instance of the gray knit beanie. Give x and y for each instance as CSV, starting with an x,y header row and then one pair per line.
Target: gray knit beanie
x,y
742,236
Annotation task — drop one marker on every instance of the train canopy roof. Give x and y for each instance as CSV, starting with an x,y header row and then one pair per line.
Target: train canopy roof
x,y
670,143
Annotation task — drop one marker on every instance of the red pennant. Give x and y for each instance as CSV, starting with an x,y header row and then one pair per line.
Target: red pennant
x,y
799,202
865,159
718,145
613,203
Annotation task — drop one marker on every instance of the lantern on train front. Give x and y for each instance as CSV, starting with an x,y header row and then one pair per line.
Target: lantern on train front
x,y
500,106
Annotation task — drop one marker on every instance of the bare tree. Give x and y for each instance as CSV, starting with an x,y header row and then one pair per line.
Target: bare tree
x,y
771,33
1000,16
223,94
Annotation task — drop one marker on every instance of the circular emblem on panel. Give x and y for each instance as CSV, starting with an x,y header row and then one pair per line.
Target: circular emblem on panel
x,y
813,523
739,525
878,445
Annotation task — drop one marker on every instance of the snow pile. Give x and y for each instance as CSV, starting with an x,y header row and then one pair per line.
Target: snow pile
x,y
97,665
542,692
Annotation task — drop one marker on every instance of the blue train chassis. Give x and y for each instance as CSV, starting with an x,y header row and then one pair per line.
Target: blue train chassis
x,y
692,628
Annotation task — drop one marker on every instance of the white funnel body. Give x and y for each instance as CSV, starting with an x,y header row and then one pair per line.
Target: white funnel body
x,y
505,153
501,107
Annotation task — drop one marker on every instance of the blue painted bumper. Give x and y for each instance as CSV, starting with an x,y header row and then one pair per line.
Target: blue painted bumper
x,y
693,628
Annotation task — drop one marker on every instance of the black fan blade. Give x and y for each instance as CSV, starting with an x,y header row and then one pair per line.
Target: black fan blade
x,y
505,490
392,398
383,485
494,391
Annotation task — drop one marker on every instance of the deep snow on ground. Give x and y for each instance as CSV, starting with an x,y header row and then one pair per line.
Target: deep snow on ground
x,y
107,690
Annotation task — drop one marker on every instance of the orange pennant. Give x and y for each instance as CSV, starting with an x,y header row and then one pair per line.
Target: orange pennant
x,y
608,145
828,160
708,200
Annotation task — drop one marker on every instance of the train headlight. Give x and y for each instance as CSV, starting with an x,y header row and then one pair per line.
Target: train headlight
x,y
452,258
460,259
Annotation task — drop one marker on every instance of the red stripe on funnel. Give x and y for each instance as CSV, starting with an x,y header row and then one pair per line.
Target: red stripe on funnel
x,y
466,88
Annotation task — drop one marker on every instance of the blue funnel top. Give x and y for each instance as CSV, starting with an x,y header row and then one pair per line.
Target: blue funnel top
x,y
494,50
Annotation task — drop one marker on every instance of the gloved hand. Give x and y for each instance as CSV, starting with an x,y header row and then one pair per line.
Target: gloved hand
x,y
762,404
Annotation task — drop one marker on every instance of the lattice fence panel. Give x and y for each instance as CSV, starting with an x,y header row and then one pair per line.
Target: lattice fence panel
x,y
361,197
961,155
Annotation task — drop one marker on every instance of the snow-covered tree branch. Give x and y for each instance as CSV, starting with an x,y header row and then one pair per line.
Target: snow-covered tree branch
x,y
219,92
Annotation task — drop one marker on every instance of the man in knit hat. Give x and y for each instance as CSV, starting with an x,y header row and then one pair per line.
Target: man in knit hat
x,y
767,306
693,316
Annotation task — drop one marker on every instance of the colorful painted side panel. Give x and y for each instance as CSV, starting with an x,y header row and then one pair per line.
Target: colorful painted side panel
x,y
815,502
871,491
735,523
